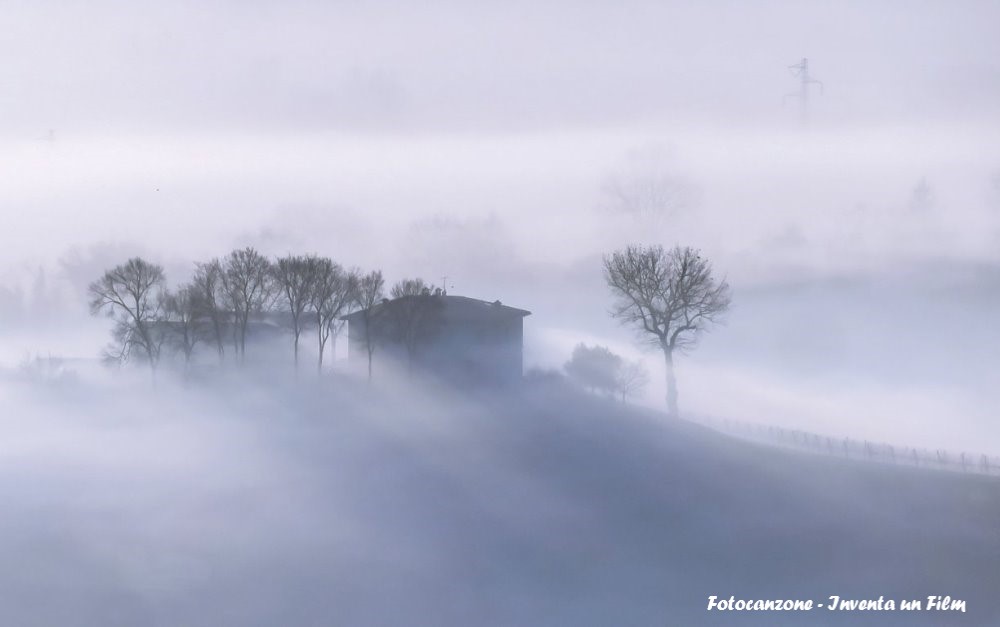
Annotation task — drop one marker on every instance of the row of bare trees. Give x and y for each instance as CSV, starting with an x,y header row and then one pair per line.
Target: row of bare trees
x,y
223,296
669,296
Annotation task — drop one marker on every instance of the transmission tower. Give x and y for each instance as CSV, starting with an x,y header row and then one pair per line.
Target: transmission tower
x,y
801,71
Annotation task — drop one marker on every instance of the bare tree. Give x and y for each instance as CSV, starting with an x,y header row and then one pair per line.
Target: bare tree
x,y
669,297
413,316
368,294
132,294
409,287
246,280
645,187
185,323
295,278
209,296
632,378
333,293
594,367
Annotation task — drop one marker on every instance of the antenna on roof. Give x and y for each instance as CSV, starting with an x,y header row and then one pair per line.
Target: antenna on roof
x,y
444,285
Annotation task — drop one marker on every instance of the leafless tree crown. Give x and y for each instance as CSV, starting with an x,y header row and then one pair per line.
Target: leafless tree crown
x,y
295,280
670,297
409,287
631,379
645,187
184,322
132,293
246,280
369,293
210,300
333,293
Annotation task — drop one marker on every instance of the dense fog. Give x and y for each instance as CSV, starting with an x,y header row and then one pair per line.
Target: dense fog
x,y
494,150
259,499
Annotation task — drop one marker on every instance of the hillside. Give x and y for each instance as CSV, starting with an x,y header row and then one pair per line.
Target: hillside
x,y
263,506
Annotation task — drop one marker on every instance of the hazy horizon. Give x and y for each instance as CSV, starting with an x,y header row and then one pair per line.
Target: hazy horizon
x,y
477,142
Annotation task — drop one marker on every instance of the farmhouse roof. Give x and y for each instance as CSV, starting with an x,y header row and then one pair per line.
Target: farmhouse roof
x,y
459,308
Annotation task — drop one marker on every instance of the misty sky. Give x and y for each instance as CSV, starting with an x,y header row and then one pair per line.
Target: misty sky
x,y
140,122
475,140
304,67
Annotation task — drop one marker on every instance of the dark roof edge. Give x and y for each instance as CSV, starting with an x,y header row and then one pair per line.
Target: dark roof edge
x,y
506,308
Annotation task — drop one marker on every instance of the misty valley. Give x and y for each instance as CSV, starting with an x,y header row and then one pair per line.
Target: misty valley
x,y
462,314
263,499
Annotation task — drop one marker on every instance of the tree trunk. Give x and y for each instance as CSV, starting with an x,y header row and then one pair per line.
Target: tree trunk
x,y
668,360
219,341
321,341
236,340
243,338
369,347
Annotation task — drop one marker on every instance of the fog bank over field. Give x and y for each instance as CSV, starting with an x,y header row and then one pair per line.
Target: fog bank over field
x,y
841,285
240,501
765,204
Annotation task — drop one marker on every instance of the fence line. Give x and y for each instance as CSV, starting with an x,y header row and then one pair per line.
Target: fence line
x,y
867,450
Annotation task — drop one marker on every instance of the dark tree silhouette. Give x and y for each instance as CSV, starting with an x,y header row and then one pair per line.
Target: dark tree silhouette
x,y
334,292
208,291
247,284
669,297
295,280
409,287
368,294
132,294
185,325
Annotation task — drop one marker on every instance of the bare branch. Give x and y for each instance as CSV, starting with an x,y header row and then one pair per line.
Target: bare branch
x,y
131,293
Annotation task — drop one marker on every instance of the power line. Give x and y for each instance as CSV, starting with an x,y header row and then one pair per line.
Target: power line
x,y
801,71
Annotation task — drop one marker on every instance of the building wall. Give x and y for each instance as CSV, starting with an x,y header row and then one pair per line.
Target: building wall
x,y
475,352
